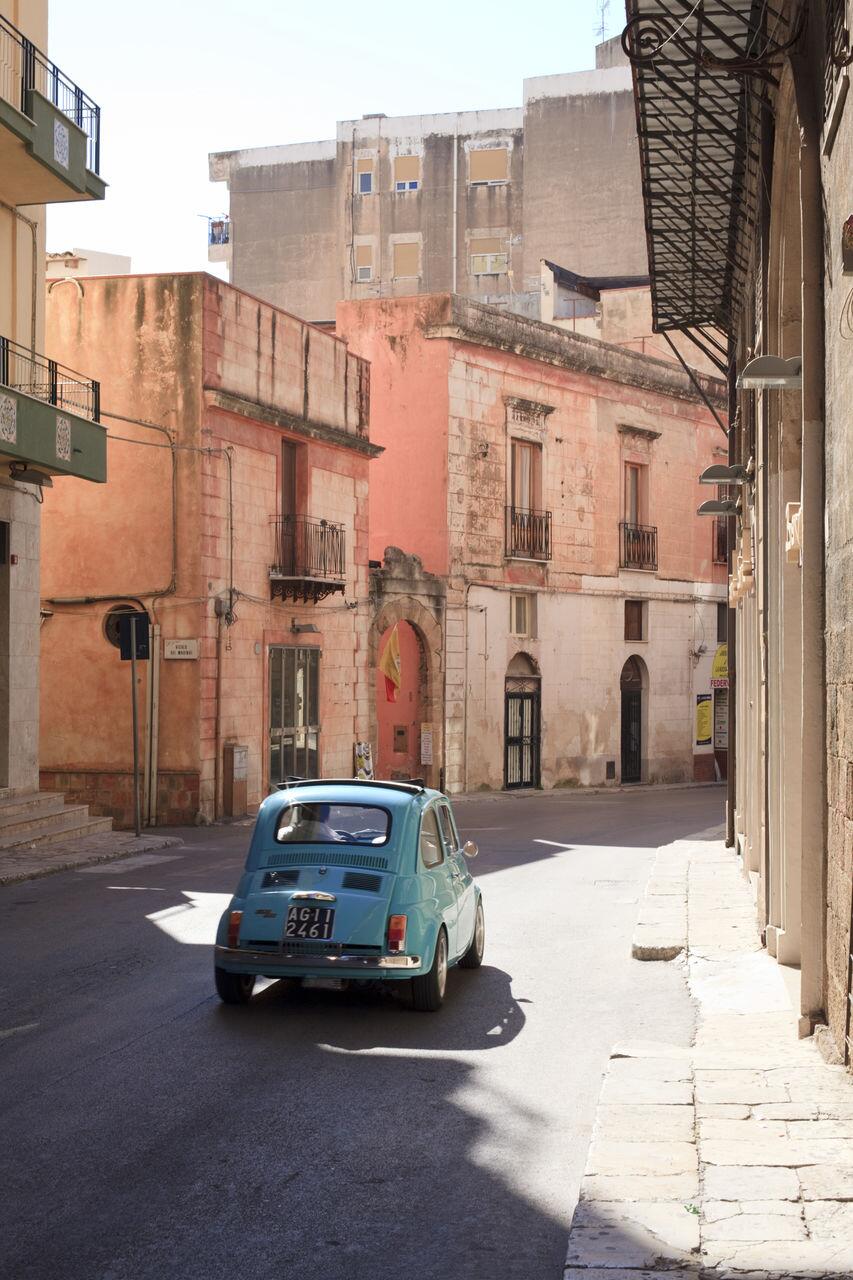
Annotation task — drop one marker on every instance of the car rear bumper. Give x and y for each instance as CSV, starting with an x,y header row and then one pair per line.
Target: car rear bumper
x,y
242,960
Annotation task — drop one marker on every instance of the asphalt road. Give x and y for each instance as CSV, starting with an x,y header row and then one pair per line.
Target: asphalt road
x,y
147,1131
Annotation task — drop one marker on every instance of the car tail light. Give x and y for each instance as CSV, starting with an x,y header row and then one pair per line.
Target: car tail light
x,y
234,921
397,933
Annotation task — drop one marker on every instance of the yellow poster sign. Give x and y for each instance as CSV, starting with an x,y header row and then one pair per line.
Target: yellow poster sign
x,y
720,668
703,720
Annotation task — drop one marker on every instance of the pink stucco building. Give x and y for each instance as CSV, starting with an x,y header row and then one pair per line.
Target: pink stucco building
x,y
569,604
236,517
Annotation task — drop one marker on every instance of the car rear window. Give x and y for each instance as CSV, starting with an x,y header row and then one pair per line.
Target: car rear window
x,y
323,823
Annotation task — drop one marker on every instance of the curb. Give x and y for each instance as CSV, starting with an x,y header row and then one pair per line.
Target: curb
x,y
579,793
69,858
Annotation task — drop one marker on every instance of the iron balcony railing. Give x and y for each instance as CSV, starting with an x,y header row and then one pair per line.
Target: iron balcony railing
x,y
23,68
528,533
218,231
33,375
721,541
308,548
638,546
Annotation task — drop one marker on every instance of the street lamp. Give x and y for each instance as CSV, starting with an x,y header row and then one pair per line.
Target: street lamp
x,y
718,507
719,473
768,373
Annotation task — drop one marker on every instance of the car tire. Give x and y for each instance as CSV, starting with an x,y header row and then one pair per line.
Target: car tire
x,y
233,988
473,957
428,989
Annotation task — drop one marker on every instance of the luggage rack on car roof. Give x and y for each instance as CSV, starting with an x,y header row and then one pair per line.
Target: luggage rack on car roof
x,y
415,786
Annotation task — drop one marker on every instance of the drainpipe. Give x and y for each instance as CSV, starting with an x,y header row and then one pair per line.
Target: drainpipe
x,y
814,816
455,206
217,733
731,626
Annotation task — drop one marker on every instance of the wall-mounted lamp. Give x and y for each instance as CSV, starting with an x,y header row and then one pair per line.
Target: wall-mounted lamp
x,y
766,373
718,507
303,628
721,474
25,474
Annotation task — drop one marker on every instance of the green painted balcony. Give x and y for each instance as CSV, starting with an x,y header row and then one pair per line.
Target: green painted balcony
x,y
48,419
50,130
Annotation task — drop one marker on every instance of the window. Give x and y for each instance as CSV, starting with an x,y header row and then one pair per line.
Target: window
x,y
406,259
364,177
526,477
401,738
636,493
432,853
722,623
325,823
488,164
447,829
522,615
407,172
632,494
635,628
363,262
488,256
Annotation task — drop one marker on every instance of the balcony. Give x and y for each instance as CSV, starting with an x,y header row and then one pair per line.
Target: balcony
x,y
49,417
638,546
310,558
50,130
528,534
721,542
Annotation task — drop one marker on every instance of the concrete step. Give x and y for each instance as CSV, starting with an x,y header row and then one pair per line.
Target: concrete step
x,y
30,804
72,822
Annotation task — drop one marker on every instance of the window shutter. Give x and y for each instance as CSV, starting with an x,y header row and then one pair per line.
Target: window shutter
x,y
407,168
406,259
488,165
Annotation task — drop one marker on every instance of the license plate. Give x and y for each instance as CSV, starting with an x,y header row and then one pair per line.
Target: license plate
x,y
309,922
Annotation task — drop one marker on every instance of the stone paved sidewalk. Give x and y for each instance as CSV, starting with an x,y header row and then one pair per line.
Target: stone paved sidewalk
x,y
66,855
732,1159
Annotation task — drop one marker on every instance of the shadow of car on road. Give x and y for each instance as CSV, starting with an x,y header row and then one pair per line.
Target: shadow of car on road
x,y
479,1012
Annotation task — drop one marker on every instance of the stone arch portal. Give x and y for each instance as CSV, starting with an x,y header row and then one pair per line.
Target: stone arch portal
x,y
403,593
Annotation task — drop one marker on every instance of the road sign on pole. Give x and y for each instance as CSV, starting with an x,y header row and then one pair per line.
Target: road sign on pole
x,y
133,631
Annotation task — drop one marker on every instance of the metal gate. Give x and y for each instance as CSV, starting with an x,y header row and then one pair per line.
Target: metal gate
x,y
521,734
632,758
294,728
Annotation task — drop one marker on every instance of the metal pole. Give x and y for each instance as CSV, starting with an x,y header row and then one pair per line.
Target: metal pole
x,y
136,813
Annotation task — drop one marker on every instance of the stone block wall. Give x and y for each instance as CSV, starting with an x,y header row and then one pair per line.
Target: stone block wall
x,y
838,184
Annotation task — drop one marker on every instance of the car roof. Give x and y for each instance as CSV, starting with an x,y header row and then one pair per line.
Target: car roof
x,y
392,795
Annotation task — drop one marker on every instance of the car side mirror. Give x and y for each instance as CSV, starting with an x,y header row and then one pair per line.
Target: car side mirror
x,y
470,849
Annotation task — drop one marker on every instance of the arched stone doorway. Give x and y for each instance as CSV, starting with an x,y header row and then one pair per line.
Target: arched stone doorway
x,y
633,684
522,723
398,723
425,631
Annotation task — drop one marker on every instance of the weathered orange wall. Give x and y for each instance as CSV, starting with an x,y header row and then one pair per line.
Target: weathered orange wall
x,y
232,378
409,405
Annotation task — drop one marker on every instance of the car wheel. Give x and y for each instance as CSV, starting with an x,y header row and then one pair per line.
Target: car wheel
x,y
428,990
233,988
473,957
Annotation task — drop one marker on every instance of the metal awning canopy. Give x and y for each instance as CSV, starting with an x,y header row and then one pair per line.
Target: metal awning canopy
x,y
702,74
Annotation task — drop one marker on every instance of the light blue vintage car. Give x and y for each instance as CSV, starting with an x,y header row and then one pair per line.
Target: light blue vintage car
x,y
353,880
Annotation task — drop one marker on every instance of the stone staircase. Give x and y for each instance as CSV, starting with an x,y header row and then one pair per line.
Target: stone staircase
x,y
43,817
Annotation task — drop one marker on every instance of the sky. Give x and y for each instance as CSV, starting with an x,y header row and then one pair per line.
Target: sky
x,y
177,79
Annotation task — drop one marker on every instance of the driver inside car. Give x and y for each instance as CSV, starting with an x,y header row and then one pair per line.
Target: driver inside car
x,y
313,823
